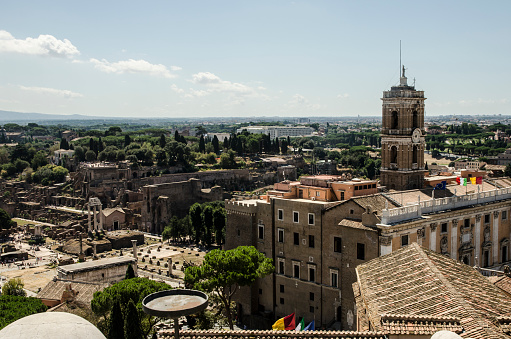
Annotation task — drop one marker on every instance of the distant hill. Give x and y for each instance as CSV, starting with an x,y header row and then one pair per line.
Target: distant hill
x,y
9,116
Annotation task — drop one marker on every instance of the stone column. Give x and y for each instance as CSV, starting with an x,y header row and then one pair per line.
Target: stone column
x,y
95,255
100,217
495,237
477,241
170,266
135,256
432,236
454,239
88,216
94,216
385,245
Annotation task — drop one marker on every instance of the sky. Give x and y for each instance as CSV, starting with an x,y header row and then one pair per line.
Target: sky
x,y
200,59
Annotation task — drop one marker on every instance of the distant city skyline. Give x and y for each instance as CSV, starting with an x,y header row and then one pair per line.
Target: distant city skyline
x,y
169,59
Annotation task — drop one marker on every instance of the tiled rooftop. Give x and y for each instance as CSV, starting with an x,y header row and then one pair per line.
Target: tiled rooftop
x,y
421,287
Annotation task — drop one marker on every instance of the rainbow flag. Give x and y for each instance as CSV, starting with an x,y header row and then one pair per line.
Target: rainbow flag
x,y
286,323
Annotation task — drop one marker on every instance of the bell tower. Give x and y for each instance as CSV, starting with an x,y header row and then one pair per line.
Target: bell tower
x,y
402,137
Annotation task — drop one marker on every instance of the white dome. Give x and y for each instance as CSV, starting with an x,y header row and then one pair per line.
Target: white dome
x,y
441,335
51,325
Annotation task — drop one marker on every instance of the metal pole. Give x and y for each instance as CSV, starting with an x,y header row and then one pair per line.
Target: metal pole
x,y
176,328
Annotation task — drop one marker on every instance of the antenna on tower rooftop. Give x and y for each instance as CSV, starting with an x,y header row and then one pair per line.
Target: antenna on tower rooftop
x,y
399,56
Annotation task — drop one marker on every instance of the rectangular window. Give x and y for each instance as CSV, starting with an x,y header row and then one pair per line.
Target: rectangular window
x,y
261,231
296,270
311,296
312,273
281,266
260,291
337,245
318,193
361,249
352,211
282,301
311,241
444,227
504,215
280,214
486,218
467,223
296,238
280,235
311,218
342,195
334,278
295,216
311,309
281,288
404,240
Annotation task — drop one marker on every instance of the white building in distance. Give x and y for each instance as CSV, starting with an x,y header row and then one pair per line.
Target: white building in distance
x,y
279,131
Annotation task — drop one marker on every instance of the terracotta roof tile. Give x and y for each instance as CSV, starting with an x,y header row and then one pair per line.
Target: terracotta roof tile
x,y
414,286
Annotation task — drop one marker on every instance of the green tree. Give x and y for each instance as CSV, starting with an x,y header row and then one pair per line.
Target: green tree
x,y
223,272
39,160
130,273
13,308
5,220
132,328
135,289
14,287
90,155
207,221
116,323
507,170
216,144
195,213
202,145
219,224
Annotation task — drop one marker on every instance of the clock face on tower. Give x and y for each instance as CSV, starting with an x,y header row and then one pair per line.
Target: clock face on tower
x,y
416,135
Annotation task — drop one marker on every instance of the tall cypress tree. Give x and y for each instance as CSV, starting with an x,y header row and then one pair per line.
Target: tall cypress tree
x,y
132,328
116,323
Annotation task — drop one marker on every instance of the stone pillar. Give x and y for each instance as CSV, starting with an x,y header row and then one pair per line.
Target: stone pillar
x,y
135,256
454,239
88,215
170,267
385,245
432,236
100,217
81,256
495,237
94,216
477,241
95,255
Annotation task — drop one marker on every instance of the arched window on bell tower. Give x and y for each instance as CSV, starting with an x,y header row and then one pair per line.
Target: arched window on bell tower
x,y
394,120
415,120
415,154
393,155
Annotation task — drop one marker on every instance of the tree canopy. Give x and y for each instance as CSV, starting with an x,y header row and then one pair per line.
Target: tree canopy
x,y
135,289
222,272
16,307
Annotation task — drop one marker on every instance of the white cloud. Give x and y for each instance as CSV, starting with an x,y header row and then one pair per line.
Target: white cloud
x,y
132,66
46,45
343,95
175,68
213,83
301,103
52,91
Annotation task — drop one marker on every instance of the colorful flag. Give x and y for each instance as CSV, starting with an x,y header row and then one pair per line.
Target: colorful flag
x,y
479,180
458,180
473,180
463,182
441,186
286,323
300,326
310,327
